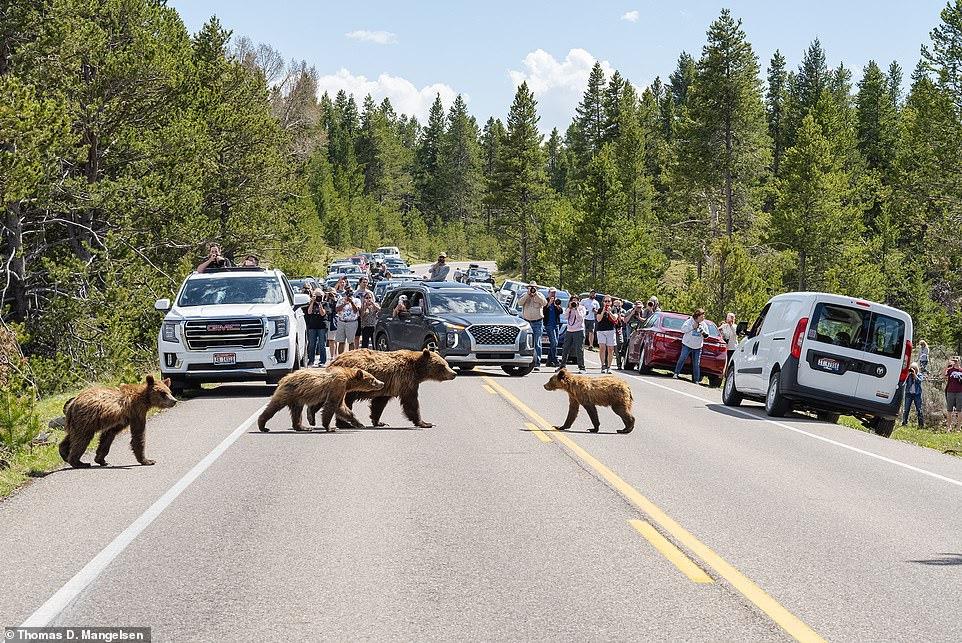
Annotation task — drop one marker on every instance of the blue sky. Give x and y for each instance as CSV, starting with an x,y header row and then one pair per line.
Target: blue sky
x,y
409,51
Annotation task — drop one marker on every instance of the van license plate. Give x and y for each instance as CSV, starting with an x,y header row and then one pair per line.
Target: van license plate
x,y
225,359
830,365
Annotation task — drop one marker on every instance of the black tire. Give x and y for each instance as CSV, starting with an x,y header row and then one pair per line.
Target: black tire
x,y
776,405
177,385
825,416
430,343
642,368
466,367
518,371
382,343
730,394
884,427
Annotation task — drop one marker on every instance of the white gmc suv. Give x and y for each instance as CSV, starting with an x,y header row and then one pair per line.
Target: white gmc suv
x,y
230,325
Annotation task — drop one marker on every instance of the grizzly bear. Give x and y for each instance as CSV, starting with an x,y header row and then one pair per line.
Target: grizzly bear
x,y
402,372
322,387
591,392
110,410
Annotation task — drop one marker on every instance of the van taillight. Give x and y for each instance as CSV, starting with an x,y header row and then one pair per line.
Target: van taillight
x,y
799,337
906,361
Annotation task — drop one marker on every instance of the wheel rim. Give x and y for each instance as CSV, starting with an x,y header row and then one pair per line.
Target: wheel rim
x,y
382,344
729,385
431,345
772,390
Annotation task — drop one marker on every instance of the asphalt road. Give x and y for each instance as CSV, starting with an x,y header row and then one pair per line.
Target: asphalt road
x,y
485,528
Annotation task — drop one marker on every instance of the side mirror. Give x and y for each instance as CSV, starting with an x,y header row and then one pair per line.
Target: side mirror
x,y
162,305
512,311
301,300
741,329
417,311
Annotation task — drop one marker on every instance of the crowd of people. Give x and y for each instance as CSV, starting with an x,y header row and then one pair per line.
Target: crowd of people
x,y
339,319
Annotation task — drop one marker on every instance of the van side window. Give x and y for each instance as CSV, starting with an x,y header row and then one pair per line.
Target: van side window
x,y
757,326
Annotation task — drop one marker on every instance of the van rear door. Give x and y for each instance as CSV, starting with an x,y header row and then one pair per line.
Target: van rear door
x,y
855,349
885,346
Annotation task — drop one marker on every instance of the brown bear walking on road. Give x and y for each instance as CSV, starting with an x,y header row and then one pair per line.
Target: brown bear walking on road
x,y
590,392
402,372
110,410
321,388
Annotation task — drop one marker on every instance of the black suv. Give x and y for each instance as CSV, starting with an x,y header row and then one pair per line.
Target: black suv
x,y
467,325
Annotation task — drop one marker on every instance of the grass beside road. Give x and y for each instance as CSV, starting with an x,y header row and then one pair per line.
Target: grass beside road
x,y
937,439
37,459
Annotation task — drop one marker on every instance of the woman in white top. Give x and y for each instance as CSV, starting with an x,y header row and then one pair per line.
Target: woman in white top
x,y
729,333
695,331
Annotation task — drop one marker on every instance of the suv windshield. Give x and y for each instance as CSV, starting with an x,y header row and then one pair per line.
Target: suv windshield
x,y
231,290
859,329
465,303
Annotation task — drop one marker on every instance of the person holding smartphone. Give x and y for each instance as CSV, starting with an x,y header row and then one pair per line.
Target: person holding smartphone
x,y
532,311
215,259
953,394
315,318
606,320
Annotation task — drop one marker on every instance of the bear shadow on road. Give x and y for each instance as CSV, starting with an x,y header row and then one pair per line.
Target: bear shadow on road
x,y
94,467
229,391
321,431
946,559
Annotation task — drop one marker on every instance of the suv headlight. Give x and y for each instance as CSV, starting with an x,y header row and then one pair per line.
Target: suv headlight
x,y
281,328
451,334
529,340
169,332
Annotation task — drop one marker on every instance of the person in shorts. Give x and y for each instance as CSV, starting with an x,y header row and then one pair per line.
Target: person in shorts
x,y
591,312
953,394
607,319
348,313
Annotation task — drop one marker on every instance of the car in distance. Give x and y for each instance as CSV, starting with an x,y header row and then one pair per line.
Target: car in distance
x,y
827,353
657,344
233,324
468,326
389,251
477,274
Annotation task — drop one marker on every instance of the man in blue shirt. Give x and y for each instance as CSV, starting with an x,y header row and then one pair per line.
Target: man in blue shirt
x,y
552,325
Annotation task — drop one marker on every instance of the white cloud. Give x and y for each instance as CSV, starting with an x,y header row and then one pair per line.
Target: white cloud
x,y
379,37
543,72
404,96
631,16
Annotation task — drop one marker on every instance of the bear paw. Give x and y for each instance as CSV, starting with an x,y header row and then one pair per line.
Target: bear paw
x,y
79,464
424,425
148,463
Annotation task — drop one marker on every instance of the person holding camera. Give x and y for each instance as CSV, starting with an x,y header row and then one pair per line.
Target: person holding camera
x,y
315,318
348,311
439,270
694,331
606,320
913,394
575,315
591,307
532,305
215,259
553,313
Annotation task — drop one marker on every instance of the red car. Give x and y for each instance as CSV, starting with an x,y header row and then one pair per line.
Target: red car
x,y
657,344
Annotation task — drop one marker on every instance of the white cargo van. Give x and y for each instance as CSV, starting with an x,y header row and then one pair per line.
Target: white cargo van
x,y
827,353
389,251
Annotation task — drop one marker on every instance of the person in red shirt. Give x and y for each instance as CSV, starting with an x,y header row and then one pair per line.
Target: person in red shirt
x,y
953,394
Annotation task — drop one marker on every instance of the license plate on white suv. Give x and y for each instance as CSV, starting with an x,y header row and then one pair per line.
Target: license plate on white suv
x,y
225,359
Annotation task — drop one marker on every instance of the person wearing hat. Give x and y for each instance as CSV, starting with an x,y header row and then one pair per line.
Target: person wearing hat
x,y
532,305
315,318
439,270
653,306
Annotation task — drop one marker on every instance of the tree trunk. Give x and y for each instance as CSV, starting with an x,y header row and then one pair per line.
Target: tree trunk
x,y
16,282
729,204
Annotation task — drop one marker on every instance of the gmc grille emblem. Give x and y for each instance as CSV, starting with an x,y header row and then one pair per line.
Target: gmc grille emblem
x,y
220,328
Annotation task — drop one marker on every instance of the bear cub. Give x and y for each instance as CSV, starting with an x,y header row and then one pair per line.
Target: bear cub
x,y
108,411
319,388
591,392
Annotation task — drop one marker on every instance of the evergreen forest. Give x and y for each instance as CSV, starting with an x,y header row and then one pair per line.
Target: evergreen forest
x,y
128,143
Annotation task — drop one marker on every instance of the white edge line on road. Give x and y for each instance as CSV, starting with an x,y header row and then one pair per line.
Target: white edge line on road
x,y
801,431
89,573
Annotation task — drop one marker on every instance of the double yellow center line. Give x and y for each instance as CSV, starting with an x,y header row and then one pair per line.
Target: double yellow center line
x,y
792,625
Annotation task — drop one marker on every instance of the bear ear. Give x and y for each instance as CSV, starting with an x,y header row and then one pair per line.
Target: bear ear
x,y
359,375
563,374
167,382
426,353
150,380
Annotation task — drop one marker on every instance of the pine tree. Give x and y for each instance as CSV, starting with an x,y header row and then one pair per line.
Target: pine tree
x,y
460,165
587,132
426,174
601,201
809,216
558,168
777,99
630,151
519,181
726,146
876,118
682,78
